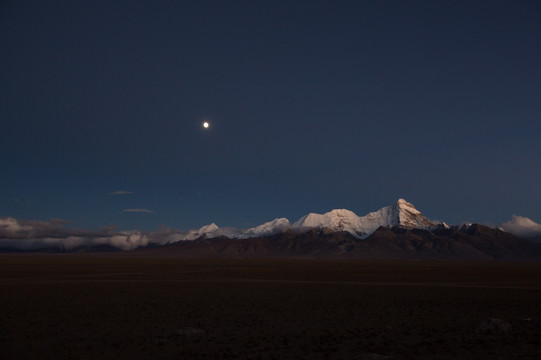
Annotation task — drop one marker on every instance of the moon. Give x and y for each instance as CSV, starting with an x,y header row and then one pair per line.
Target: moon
x,y
206,125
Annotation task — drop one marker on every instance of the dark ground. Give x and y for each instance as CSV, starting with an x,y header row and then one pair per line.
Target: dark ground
x,y
120,306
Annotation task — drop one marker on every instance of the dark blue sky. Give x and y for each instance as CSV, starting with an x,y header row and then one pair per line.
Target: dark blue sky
x,y
313,105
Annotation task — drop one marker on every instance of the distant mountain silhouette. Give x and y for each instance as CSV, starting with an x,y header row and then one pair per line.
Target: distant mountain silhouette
x,y
473,242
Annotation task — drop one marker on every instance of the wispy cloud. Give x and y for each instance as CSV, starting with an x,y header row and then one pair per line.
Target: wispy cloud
x,y
120,192
138,211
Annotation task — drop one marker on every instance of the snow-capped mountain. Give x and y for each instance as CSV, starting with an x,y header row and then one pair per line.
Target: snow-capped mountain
x,y
401,214
273,227
269,228
205,231
339,220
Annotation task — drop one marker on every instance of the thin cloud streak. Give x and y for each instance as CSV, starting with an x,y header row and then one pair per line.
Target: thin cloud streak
x,y
120,192
138,211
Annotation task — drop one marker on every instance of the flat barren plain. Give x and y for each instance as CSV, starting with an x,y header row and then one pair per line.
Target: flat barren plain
x,y
126,306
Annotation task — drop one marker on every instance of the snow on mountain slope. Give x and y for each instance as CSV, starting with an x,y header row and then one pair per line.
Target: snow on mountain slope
x,y
207,230
338,220
273,227
402,213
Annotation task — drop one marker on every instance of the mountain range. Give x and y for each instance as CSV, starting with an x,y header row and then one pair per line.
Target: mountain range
x,y
398,231
401,214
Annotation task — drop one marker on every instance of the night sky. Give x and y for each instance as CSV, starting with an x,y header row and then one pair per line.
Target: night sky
x,y
312,105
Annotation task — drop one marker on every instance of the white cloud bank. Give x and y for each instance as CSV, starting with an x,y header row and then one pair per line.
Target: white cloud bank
x,y
17,234
522,226
33,234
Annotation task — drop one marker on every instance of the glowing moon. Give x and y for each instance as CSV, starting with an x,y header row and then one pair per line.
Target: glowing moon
x,y
206,125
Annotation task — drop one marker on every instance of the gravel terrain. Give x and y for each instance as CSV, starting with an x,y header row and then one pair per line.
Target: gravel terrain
x,y
121,306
